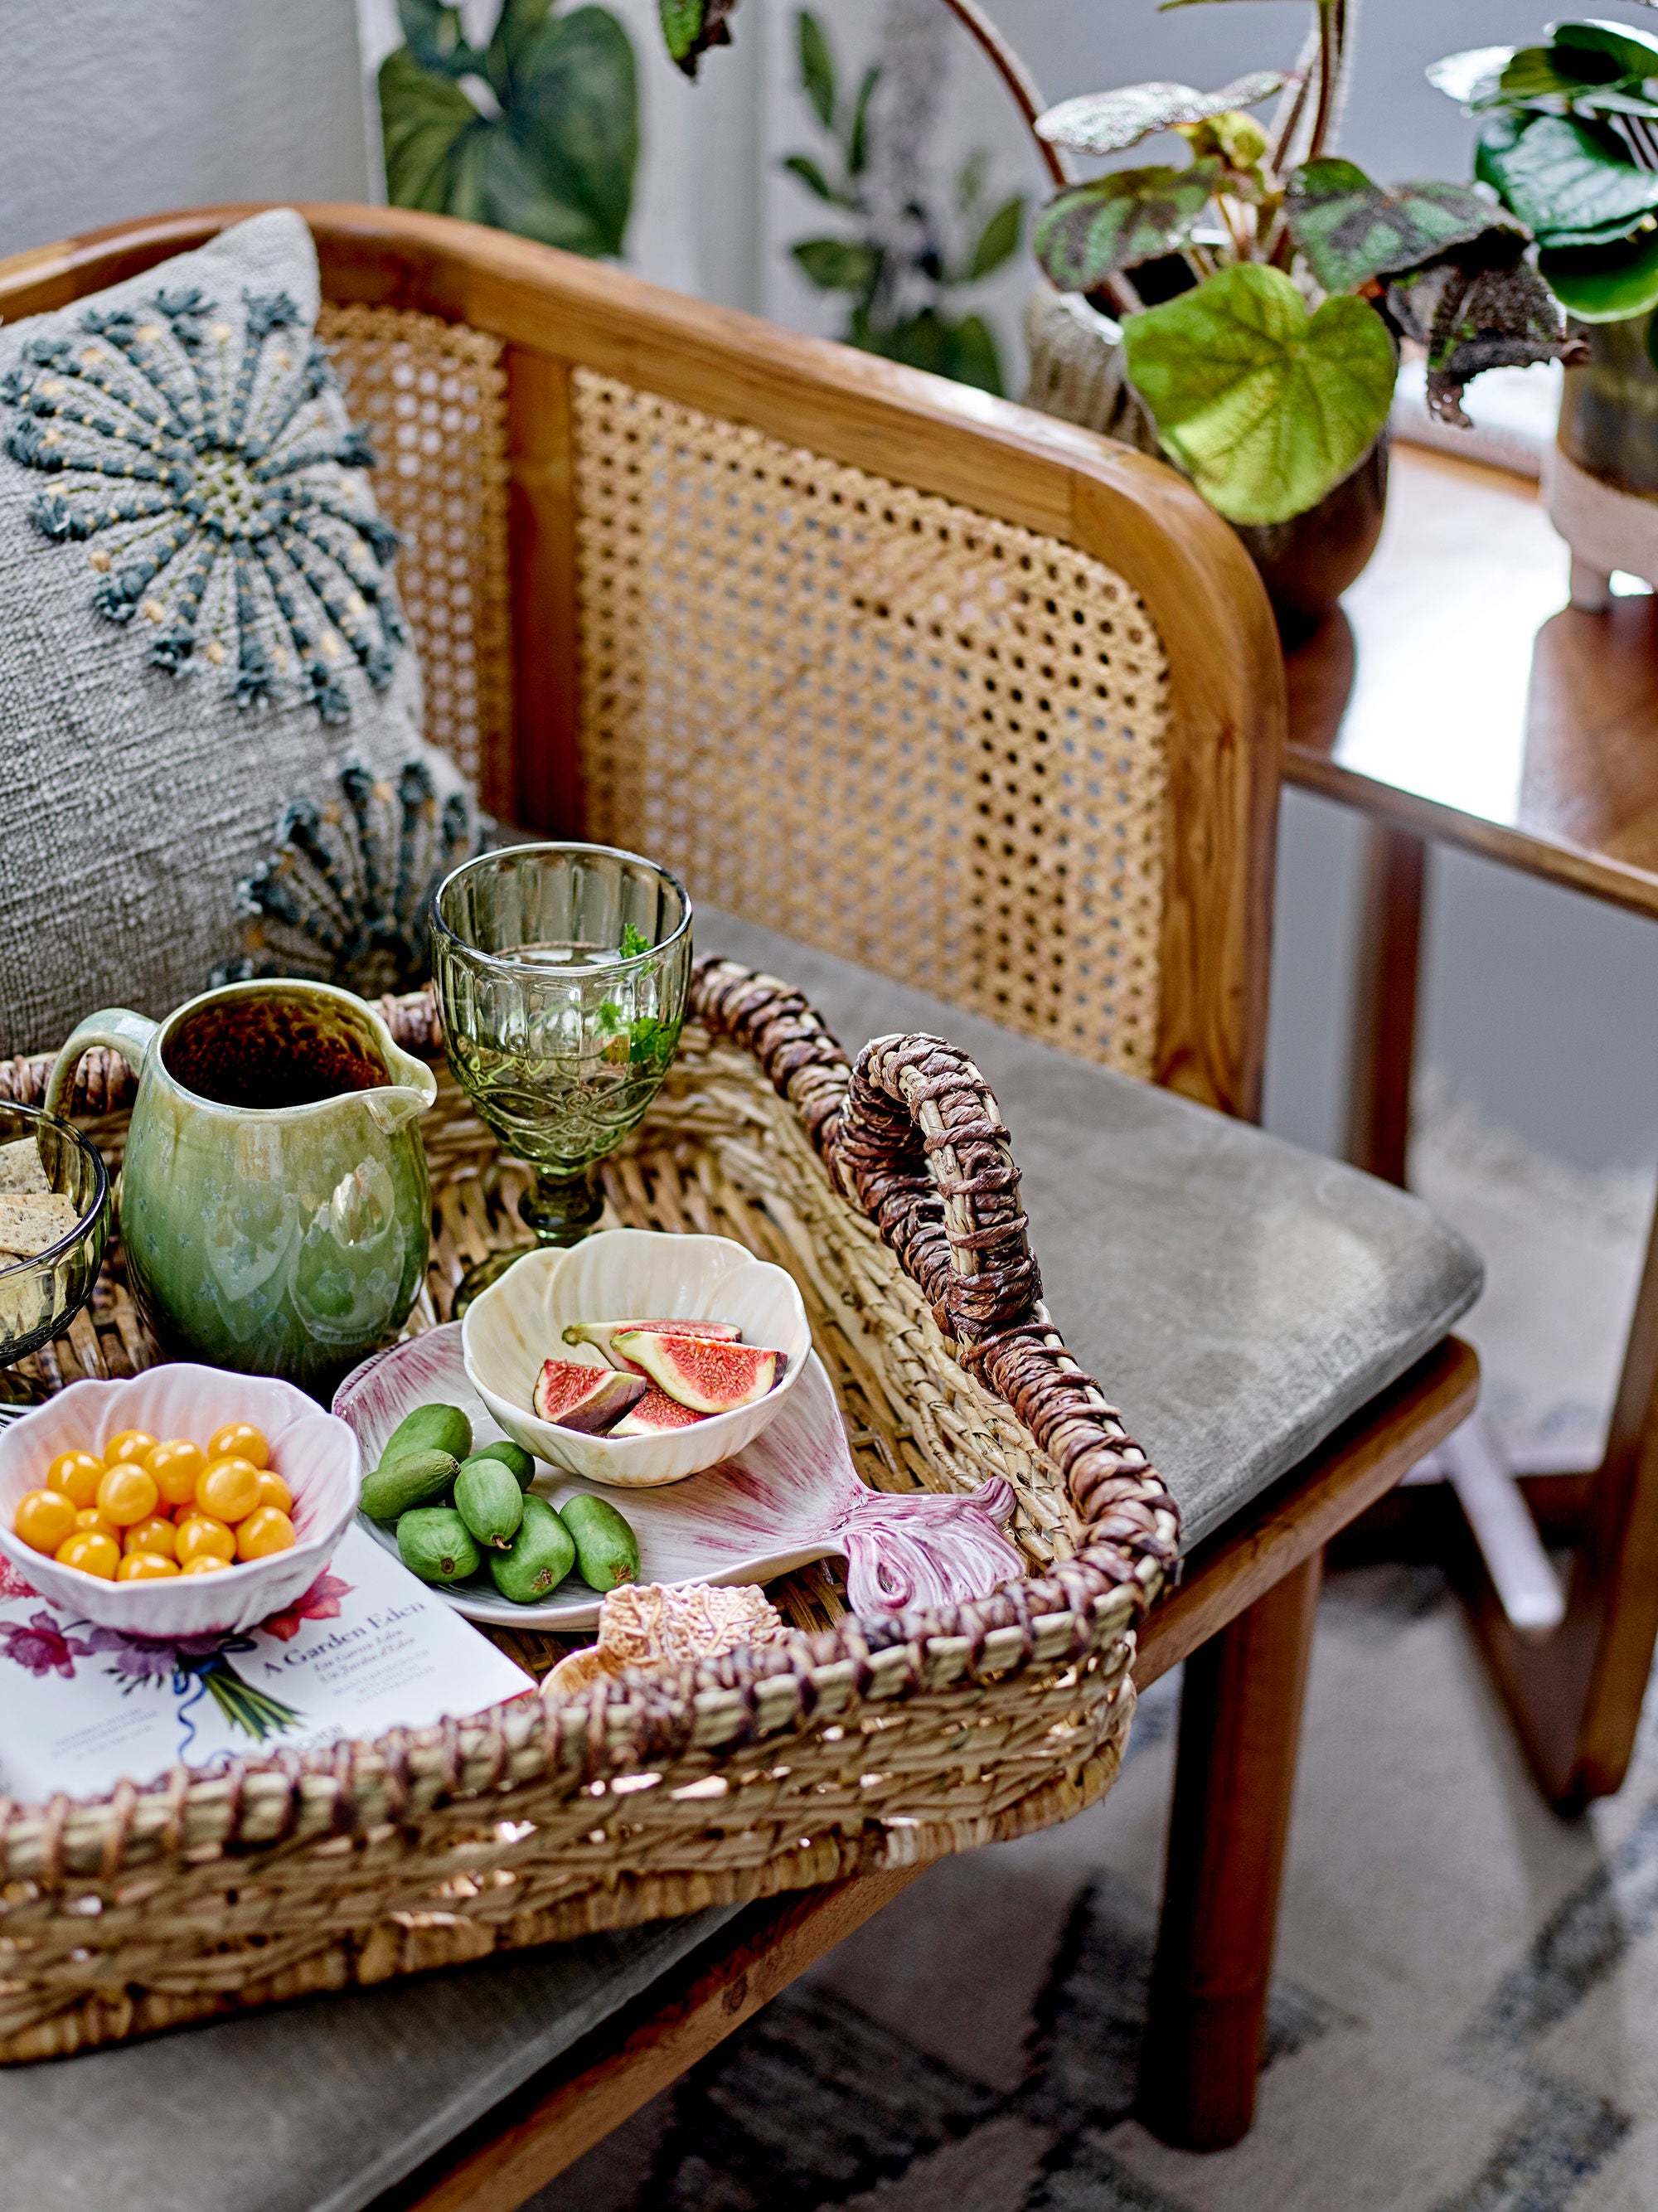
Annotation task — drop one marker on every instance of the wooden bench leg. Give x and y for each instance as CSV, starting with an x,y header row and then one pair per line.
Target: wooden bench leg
x,y
1240,1726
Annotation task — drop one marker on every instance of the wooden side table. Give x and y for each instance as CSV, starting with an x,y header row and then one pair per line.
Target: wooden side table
x,y
1460,698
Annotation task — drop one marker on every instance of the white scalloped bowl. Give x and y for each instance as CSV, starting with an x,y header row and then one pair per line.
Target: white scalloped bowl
x,y
624,1274
315,1454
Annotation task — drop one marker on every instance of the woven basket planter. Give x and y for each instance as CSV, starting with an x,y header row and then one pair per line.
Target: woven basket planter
x,y
887,1191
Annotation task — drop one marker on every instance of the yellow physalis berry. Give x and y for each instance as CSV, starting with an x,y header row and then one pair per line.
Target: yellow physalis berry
x,y
145,1567
205,1563
156,1536
127,1495
228,1489
175,1468
45,1518
273,1490
266,1529
240,1440
92,1552
130,1443
78,1474
203,1537
94,1519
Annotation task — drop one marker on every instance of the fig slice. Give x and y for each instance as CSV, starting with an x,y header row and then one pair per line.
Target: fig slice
x,y
576,1396
656,1413
710,1374
603,1333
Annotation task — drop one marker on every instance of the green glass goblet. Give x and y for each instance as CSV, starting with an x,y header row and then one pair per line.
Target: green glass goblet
x,y
561,973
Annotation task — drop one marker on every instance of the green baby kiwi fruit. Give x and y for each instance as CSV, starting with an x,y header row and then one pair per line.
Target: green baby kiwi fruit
x,y
513,1456
435,1543
430,1428
606,1549
418,1477
489,1500
541,1555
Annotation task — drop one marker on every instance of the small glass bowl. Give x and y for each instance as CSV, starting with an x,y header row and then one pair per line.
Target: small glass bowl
x,y
39,1297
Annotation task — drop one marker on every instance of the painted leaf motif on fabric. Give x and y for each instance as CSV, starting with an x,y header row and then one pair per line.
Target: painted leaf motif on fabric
x,y
1110,122
1351,230
422,117
1265,407
556,163
1116,221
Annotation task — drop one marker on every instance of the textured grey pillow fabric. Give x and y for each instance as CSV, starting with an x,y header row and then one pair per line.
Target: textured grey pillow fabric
x,y
210,750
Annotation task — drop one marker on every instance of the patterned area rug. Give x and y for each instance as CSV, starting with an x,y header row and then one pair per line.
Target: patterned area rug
x,y
1465,2017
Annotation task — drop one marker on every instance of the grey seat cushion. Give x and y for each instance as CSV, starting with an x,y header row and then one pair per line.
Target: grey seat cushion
x,y
1237,1298
315,2107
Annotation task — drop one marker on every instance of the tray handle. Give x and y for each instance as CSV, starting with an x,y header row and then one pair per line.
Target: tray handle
x,y
913,1137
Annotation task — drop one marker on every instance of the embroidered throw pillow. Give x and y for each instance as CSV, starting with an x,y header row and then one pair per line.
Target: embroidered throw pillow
x,y
210,750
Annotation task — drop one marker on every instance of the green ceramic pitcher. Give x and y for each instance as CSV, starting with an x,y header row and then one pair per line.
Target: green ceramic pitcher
x,y
275,1206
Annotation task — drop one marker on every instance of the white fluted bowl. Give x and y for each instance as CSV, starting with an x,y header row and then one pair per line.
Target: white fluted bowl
x,y
625,1274
315,1454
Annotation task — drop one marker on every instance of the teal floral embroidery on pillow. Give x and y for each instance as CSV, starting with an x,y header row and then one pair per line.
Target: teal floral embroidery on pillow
x,y
345,894
212,471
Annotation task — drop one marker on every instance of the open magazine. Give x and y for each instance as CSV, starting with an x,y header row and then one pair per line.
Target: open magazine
x,y
367,1649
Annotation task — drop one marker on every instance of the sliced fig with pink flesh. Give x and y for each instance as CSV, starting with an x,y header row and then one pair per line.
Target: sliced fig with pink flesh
x,y
592,1399
603,1333
709,1374
655,1414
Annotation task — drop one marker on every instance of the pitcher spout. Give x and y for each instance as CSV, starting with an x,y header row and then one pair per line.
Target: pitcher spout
x,y
412,1092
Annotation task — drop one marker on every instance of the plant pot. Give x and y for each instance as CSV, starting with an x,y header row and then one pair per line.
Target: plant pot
x,y
1600,480
1308,562
1077,373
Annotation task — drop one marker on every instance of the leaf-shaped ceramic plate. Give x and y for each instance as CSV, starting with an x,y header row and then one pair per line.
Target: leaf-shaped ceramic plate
x,y
789,1496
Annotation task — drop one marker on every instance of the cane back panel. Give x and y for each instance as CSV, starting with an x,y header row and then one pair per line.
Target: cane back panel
x,y
924,740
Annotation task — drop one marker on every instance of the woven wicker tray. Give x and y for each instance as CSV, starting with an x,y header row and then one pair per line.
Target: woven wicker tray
x,y
889,1193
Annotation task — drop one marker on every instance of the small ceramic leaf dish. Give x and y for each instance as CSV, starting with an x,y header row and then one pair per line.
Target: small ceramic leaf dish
x,y
789,1496
626,1275
315,1454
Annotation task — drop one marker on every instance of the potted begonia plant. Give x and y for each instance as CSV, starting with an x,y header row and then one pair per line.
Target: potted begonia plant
x,y
1568,141
1241,311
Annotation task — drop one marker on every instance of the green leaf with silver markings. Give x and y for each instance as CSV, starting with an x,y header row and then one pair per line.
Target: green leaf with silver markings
x,y
1111,122
1117,221
1265,407
1351,229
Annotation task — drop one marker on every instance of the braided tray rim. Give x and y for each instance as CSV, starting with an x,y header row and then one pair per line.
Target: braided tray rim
x,y
911,1136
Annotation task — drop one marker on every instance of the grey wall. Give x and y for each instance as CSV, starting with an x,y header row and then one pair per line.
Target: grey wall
x,y
112,108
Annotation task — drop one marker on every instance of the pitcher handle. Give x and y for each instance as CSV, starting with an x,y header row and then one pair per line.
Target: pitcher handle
x,y
119,1030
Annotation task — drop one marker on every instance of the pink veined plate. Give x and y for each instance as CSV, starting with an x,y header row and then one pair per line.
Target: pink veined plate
x,y
789,1496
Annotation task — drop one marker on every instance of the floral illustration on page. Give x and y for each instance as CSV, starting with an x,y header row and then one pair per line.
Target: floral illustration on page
x,y
189,1668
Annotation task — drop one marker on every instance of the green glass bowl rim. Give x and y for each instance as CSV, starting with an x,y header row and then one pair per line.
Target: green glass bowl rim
x,y
476,955
43,1262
